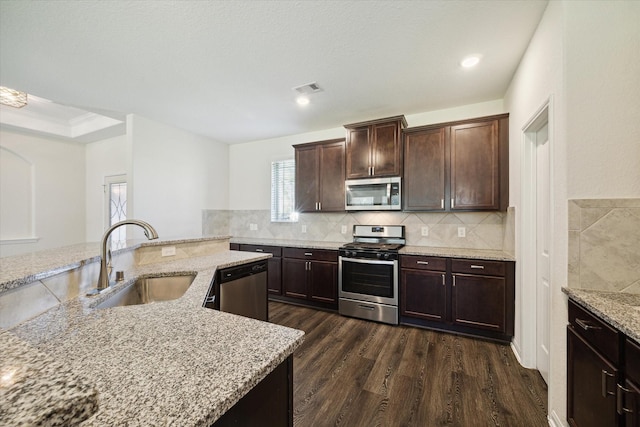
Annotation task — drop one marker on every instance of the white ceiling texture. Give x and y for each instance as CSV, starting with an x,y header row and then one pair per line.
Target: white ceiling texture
x,y
226,69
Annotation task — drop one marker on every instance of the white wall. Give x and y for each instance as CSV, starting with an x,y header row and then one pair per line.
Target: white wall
x,y
585,57
250,163
538,80
603,98
175,175
58,190
103,158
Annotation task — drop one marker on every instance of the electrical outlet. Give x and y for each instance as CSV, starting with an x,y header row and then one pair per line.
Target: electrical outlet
x,y
343,229
462,232
169,251
304,228
425,230
253,227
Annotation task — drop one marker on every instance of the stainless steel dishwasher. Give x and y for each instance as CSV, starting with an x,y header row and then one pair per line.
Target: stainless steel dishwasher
x,y
240,290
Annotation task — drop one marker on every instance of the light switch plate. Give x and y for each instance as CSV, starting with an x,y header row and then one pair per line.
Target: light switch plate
x,y
462,231
343,229
304,228
169,251
425,230
253,227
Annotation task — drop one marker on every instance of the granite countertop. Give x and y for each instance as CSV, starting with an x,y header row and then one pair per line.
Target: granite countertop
x,y
485,254
164,363
18,270
312,244
621,310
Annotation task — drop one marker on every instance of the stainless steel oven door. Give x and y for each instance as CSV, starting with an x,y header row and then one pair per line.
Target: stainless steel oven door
x,y
368,280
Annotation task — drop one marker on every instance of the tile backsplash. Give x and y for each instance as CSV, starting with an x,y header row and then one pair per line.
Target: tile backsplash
x,y
604,244
483,230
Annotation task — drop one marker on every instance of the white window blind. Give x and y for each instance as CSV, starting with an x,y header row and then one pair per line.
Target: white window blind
x,y
283,181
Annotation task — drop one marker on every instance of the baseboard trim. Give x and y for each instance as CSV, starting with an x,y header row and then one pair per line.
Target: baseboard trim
x,y
516,353
555,421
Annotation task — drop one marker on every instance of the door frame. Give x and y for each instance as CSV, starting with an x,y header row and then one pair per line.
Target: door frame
x,y
528,299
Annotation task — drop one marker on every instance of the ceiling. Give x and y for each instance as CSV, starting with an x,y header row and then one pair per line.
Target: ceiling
x,y
226,69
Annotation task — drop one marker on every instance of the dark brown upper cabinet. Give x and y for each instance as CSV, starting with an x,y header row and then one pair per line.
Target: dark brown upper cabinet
x,y
320,176
426,160
457,166
373,148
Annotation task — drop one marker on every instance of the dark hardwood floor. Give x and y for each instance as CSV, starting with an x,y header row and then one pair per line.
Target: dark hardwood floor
x,y
352,372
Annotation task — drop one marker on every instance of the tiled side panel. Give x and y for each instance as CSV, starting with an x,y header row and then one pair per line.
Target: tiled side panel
x,y
604,244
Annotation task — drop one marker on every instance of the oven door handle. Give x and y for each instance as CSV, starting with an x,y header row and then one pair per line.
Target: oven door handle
x,y
367,261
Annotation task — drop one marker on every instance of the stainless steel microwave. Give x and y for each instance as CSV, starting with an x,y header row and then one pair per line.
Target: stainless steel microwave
x,y
375,194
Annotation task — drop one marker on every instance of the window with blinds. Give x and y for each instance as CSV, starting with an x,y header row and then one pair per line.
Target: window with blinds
x,y
283,186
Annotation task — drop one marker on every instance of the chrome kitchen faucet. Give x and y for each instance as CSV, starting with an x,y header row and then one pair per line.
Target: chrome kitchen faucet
x,y
103,277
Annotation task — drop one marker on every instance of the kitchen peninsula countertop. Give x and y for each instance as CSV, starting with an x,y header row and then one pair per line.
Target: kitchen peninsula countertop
x,y
621,310
18,270
167,363
486,254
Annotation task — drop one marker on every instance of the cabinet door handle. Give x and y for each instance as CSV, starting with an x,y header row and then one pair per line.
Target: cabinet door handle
x,y
443,282
422,262
477,267
373,170
319,206
585,325
620,400
441,203
454,281
452,204
605,392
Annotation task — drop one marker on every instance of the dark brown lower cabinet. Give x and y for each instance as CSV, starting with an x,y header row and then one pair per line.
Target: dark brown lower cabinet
x,y
269,403
592,385
423,288
479,302
603,373
629,402
310,277
471,297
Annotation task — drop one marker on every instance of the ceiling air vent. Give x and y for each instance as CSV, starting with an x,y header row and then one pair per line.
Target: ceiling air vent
x,y
308,88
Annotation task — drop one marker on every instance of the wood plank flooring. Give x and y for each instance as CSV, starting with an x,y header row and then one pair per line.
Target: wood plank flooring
x,y
351,372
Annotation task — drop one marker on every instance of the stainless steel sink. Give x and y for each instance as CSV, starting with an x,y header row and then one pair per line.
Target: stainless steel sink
x,y
150,289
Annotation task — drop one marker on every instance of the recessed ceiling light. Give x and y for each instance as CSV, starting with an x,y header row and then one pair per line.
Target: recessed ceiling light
x,y
470,61
302,100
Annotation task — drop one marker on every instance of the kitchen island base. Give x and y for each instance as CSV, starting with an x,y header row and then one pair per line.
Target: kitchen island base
x,y
269,403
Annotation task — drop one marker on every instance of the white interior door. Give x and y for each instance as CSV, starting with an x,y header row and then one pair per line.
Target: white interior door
x,y
543,269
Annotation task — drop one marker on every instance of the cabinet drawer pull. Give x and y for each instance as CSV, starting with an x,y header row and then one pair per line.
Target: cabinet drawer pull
x,y
259,250
422,262
620,401
586,326
308,254
477,267
605,392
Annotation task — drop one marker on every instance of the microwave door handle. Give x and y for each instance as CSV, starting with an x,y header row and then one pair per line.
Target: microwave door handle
x,y
389,193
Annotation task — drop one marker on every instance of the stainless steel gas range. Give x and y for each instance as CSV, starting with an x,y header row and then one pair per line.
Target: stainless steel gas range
x,y
368,273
